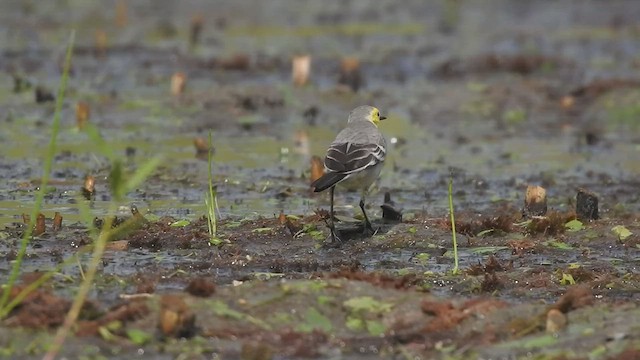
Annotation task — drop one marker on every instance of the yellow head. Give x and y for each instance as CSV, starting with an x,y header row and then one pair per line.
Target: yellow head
x,y
366,113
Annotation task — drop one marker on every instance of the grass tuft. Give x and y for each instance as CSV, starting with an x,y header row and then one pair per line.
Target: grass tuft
x,y
453,228
211,200
46,173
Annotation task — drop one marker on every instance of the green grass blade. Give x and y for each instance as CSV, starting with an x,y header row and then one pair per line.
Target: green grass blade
x,y
453,227
140,175
46,173
211,200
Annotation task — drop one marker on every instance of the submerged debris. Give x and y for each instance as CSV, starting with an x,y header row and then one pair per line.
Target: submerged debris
x,y
101,42
300,69
201,287
389,211
556,321
524,64
176,318
576,297
178,83
310,115
20,84
350,75
43,95
89,188
535,201
195,30
57,222
82,114
39,309
552,224
586,205
202,146
40,225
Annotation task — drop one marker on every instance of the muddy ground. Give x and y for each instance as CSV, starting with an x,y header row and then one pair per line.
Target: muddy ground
x,y
494,95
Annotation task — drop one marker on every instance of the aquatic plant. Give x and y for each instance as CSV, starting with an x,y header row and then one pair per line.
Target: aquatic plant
x,y
46,173
211,201
453,227
120,185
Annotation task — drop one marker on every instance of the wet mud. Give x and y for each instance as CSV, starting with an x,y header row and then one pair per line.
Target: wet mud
x,y
493,97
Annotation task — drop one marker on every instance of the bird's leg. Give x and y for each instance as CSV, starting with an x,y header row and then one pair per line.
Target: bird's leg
x,y
367,223
332,226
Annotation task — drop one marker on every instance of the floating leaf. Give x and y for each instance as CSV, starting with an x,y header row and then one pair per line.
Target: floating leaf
x,y
558,245
138,337
222,309
485,232
412,230
267,275
423,258
180,223
598,352
355,323
314,320
488,249
216,241
621,231
375,327
106,334
316,235
514,116
574,225
476,86
567,279
367,304
540,342
323,299
523,224
106,331
233,224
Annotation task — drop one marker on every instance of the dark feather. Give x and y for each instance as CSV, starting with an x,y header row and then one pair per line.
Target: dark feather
x,y
326,181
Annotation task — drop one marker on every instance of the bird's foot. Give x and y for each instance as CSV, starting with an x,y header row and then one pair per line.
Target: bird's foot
x,y
369,230
333,240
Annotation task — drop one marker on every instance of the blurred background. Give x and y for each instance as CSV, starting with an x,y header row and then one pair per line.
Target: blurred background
x,y
500,94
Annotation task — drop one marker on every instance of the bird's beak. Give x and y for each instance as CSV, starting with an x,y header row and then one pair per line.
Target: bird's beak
x,y
383,117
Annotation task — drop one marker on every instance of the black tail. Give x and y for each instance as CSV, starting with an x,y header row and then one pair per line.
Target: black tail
x,y
326,181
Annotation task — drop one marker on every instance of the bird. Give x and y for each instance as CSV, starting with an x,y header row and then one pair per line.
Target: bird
x,y
354,159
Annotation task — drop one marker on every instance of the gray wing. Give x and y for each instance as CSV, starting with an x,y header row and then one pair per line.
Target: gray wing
x,y
348,158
